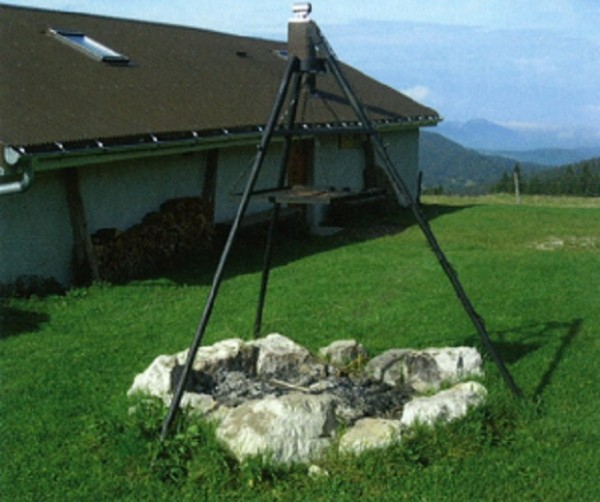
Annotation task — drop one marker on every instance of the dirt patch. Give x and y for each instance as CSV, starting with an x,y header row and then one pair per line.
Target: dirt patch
x,y
570,242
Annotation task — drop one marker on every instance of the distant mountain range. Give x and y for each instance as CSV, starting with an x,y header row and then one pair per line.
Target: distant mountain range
x,y
482,134
467,169
550,156
457,169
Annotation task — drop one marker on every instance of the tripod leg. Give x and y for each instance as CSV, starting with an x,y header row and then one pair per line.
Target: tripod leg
x,y
258,162
266,270
402,190
291,116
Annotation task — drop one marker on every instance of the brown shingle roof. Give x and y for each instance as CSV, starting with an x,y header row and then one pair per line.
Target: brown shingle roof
x,y
181,79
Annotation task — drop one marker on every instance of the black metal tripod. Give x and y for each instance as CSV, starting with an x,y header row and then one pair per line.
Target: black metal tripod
x,y
299,71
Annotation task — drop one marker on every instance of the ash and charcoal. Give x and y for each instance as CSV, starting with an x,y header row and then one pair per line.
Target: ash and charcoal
x,y
355,396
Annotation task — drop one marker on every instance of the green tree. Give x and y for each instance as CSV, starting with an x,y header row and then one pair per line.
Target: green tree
x,y
505,185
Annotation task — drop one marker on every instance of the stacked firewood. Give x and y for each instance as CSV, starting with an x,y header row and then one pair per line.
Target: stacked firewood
x,y
180,229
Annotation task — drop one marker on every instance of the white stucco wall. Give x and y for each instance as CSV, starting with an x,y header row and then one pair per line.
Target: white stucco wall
x,y
234,169
120,194
35,231
336,166
35,227
403,149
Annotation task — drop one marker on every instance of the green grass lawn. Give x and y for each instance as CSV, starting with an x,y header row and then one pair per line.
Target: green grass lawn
x,y
532,271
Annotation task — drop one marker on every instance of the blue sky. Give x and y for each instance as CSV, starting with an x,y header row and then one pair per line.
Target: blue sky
x,y
529,64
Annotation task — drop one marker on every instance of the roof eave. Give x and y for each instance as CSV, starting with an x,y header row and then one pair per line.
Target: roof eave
x,y
60,155
52,156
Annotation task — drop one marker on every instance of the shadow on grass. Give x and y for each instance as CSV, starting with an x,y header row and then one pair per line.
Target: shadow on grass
x,y
531,338
571,332
293,242
16,321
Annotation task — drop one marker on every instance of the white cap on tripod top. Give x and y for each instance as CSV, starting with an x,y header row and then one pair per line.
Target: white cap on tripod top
x,y
302,11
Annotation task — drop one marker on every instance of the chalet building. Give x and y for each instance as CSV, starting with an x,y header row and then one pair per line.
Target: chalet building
x,y
102,120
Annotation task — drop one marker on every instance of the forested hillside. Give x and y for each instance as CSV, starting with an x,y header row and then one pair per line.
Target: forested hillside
x,y
451,168
582,179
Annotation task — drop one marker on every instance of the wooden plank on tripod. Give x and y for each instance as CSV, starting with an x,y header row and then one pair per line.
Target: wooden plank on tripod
x,y
301,194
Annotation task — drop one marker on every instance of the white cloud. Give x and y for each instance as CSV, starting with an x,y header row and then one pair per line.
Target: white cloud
x,y
530,126
418,92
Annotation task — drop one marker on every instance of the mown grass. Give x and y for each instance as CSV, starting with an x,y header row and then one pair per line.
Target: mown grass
x,y
66,363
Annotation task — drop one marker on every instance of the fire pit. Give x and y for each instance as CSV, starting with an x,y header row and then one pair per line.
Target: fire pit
x,y
273,396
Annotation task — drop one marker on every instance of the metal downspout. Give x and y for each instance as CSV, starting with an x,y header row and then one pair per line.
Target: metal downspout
x,y
18,186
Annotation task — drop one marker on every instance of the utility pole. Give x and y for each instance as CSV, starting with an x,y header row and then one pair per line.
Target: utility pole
x,y
517,182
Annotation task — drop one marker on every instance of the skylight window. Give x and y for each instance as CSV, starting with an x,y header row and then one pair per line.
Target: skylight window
x,y
81,42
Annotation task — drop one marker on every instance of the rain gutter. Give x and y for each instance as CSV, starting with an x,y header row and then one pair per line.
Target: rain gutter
x,y
79,154
64,155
